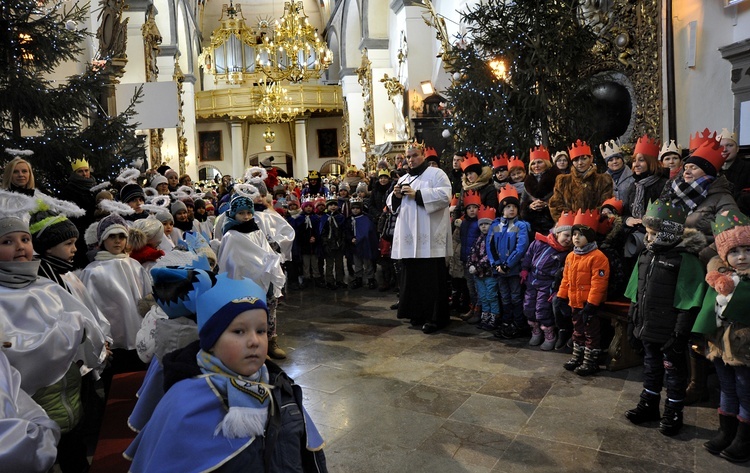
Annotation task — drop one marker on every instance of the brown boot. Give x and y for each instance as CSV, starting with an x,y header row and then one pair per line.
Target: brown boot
x,y
274,350
697,390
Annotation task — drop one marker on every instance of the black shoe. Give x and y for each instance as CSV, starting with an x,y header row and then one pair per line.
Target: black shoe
x,y
394,306
356,284
563,335
430,327
342,285
331,286
320,282
671,421
647,409
371,284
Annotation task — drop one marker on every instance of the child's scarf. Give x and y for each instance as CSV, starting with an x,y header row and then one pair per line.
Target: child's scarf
x,y
588,248
249,398
106,256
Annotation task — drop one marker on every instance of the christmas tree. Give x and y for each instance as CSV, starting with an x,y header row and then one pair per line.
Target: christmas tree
x,y
35,38
516,78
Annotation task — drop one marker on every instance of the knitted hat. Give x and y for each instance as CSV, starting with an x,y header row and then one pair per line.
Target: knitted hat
x,y
307,203
217,307
163,216
361,187
130,192
731,229
559,155
199,204
177,289
344,186
177,207
158,179
565,222
49,229
171,173
238,203
112,224
12,224
145,231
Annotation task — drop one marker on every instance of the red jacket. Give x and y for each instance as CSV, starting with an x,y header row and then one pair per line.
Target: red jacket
x,y
585,279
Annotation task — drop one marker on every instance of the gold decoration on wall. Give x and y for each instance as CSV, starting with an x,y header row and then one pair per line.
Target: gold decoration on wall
x,y
438,22
179,77
344,152
367,133
151,41
628,43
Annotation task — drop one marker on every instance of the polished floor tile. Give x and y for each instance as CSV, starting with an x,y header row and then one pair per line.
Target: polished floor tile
x,y
389,398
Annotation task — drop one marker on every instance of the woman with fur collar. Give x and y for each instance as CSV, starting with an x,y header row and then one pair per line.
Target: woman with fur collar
x,y
538,188
478,178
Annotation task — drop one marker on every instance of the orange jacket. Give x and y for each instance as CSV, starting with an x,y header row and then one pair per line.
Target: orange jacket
x,y
585,279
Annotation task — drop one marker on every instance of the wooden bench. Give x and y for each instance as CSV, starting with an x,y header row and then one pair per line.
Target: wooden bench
x,y
621,355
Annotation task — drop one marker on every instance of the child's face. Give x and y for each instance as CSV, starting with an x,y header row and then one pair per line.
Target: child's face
x,y
173,180
244,216
471,211
308,209
501,175
243,346
16,246
65,250
168,226
362,194
201,211
606,212
135,204
293,207
356,210
471,176
517,175
510,211
181,216
115,243
484,227
343,193
564,238
384,180
163,188
321,208
650,237
190,214
739,258
579,240
333,207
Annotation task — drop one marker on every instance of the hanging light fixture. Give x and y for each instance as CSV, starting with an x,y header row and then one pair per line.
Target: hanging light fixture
x,y
269,136
231,54
295,52
274,103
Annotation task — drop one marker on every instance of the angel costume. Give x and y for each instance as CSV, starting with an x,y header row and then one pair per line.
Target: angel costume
x,y
116,285
421,240
28,438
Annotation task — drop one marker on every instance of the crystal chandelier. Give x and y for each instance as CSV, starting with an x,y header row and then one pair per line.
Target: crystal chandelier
x,y
231,54
274,103
295,52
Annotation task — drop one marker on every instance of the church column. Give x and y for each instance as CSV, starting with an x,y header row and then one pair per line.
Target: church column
x,y
353,93
238,155
300,167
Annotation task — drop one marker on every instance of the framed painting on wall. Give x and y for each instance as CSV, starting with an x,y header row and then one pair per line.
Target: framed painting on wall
x,y
209,145
328,143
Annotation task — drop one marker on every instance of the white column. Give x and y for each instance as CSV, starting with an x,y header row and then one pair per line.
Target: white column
x,y
238,158
353,93
300,167
188,111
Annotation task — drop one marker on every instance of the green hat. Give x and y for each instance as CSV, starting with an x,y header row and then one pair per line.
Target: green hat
x,y
731,229
666,211
668,220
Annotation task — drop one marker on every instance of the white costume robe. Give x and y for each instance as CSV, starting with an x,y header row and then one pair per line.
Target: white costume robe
x,y
277,230
116,286
28,437
423,232
249,255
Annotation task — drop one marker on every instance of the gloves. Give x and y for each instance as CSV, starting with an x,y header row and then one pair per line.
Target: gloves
x,y
588,311
472,269
524,275
677,344
635,343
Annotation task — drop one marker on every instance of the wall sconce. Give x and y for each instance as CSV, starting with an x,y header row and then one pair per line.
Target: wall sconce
x,y
389,128
427,88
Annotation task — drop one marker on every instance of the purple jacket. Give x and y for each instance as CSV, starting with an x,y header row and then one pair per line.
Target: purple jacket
x,y
543,261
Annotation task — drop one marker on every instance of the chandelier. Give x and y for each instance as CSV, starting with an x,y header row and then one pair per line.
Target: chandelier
x,y
231,54
295,52
269,136
274,105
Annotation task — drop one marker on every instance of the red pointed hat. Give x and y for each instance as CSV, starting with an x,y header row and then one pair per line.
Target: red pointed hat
x,y
708,157
539,152
507,195
472,197
700,138
487,213
579,148
614,204
500,161
565,222
587,218
514,162
646,146
471,163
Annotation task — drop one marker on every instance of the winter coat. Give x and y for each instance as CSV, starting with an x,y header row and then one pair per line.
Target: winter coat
x,y
507,242
670,289
303,232
611,244
543,261
455,176
483,185
478,258
361,228
538,187
62,400
585,279
332,233
623,186
469,233
719,199
455,266
377,199
574,192
738,175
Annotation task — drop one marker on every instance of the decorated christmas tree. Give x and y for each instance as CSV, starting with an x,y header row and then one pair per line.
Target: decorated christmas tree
x,y
516,77
58,120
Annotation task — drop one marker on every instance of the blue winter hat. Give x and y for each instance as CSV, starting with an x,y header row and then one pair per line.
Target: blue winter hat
x,y
218,306
177,289
240,203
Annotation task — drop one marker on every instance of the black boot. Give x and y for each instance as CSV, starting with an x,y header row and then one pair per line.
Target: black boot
x,y
739,450
371,284
671,421
577,359
590,363
563,335
647,409
356,284
727,431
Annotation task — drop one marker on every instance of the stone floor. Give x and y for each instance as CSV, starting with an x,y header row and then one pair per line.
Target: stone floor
x,y
388,398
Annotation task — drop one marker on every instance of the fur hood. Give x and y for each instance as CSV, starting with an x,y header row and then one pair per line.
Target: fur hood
x,y
483,180
542,188
614,232
693,241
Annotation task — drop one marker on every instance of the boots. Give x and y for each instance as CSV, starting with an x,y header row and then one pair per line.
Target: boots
x,y
274,350
590,363
371,284
537,336
356,284
468,314
671,421
476,315
727,432
697,390
482,325
577,359
513,330
489,323
549,338
647,409
739,450
563,335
